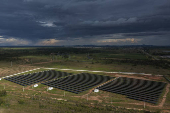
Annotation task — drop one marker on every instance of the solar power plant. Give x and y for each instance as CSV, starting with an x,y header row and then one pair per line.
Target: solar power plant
x,y
78,83
33,78
142,90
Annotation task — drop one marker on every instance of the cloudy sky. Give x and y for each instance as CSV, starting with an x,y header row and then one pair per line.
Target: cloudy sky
x,y
84,22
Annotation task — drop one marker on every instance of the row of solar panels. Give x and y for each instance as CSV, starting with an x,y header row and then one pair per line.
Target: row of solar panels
x,y
62,80
144,90
33,78
78,83
167,78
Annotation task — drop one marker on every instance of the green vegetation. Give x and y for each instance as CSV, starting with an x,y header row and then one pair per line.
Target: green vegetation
x,y
122,56
123,59
167,103
21,101
3,93
33,100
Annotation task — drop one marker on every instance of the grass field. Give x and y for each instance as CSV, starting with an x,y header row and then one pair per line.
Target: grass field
x,y
18,100
40,100
122,56
102,67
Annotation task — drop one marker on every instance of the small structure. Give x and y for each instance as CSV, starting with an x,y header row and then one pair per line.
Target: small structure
x,y
50,88
96,90
36,85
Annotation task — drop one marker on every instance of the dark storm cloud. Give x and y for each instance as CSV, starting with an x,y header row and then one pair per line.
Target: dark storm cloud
x,y
48,19
147,34
145,25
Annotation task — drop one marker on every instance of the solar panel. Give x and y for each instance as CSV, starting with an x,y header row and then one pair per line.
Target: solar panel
x,y
143,90
33,78
78,83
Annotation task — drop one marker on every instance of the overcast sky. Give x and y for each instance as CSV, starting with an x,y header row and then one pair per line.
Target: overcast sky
x,y
84,22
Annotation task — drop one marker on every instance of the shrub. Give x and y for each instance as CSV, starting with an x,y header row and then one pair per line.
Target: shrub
x,y
42,105
21,101
3,93
1,101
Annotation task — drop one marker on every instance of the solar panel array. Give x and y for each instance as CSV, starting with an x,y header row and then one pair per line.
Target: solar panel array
x,y
143,90
33,78
78,83
167,78
138,89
